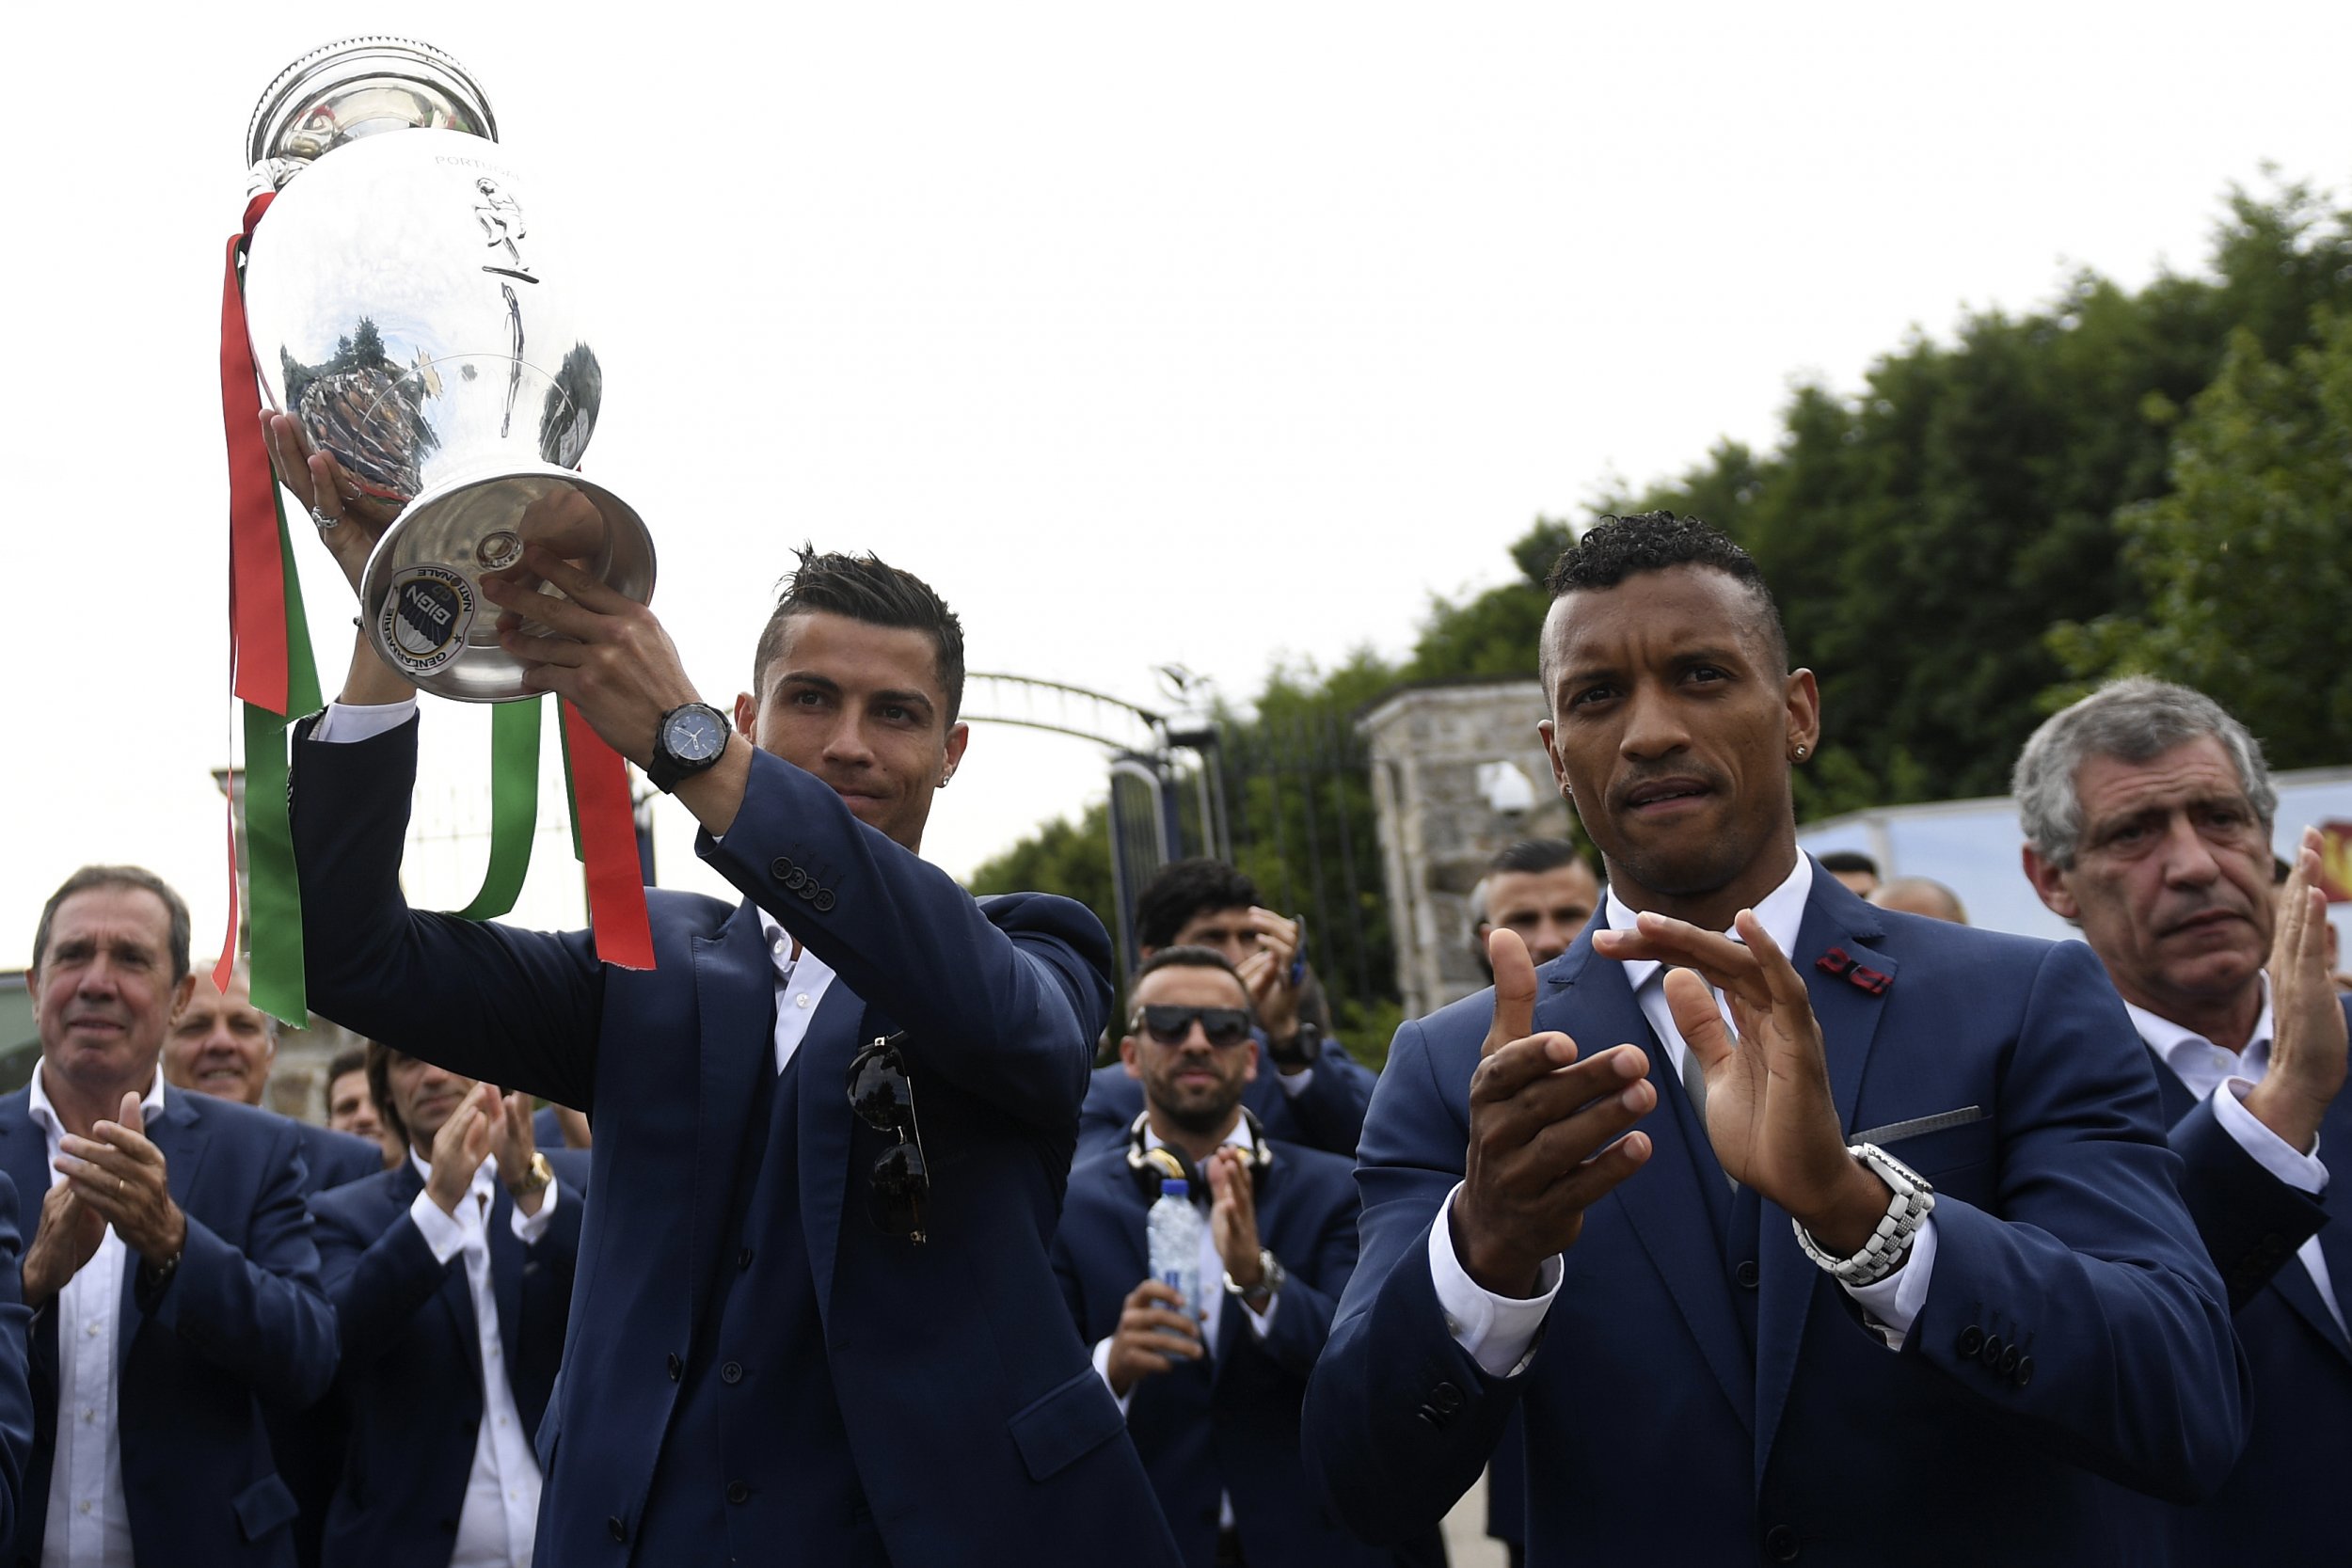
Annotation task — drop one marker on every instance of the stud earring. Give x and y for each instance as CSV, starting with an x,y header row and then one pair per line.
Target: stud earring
x,y
1800,754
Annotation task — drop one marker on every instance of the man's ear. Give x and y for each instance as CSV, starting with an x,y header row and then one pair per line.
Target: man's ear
x,y
958,736
1804,697
183,993
1551,755
1127,1053
2051,884
747,717
1249,1068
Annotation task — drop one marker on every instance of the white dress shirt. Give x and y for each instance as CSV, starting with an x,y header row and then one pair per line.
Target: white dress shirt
x,y
89,1519
498,1526
2225,1078
1499,1332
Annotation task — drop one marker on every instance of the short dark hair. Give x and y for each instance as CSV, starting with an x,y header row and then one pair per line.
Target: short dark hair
x,y
377,1062
353,1060
864,588
1182,889
1534,855
1187,958
1849,861
138,877
1616,548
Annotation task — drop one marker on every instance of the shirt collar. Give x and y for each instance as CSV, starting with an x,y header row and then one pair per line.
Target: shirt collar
x,y
1781,910
807,968
1237,1138
2189,1054
44,1112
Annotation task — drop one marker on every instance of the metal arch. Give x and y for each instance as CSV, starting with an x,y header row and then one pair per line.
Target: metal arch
x,y
1062,709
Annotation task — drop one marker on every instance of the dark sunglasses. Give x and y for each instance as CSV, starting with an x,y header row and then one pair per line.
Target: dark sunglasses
x,y
883,1097
1170,1024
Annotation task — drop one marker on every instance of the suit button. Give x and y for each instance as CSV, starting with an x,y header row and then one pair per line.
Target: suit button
x,y
2024,1374
2008,1364
780,868
823,900
731,1372
1781,1544
1991,1354
795,880
1747,1273
743,1260
809,891
1971,1341
1446,1397
738,1491
619,1531
678,1368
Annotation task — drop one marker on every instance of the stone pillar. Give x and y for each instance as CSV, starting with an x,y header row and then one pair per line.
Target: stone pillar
x,y
1457,772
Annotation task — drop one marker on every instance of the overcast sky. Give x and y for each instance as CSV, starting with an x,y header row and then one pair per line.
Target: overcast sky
x,y
1218,335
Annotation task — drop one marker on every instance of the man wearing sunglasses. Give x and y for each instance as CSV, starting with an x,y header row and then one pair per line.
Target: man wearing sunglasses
x,y
792,1331
1313,1091
1211,1388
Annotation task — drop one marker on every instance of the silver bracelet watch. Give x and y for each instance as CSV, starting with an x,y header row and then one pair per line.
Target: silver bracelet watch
x,y
1912,1201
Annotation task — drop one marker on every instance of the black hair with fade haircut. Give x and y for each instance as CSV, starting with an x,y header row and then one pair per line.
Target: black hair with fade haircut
x,y
1534,856
864,588
1186,958
1184,889
1616,548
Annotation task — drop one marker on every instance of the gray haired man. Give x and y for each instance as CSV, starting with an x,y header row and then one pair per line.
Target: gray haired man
x,y
2148,814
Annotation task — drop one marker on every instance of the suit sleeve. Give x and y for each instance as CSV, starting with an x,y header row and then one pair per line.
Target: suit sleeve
x,y
2251,1222
16,1395
2093,1266
1399,1419
1302,1323
1328,1113
260,1313
1006,1002
377,1283
517,1009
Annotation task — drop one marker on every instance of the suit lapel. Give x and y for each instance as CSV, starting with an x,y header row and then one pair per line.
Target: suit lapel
x,y
735,994
180,1135
2293,1281
1847,1011
506,1268
835,1035
1588,999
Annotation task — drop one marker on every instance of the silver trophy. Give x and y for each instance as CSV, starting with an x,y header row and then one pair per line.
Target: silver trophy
x,y
411,309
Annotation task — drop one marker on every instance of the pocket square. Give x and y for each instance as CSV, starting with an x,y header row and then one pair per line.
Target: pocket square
x,y
1917,1124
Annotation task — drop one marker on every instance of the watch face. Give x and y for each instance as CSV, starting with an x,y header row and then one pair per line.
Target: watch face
x,y
694,734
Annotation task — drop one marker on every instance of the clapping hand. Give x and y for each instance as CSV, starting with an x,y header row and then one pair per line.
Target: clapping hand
x,y
2306,1055
1548,1135
1769,1112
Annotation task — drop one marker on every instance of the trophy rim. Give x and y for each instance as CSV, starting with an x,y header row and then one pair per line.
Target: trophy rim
x,y
269,108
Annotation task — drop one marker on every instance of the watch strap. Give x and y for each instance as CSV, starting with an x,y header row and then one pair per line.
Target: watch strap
x,y
1271,1277
1911,1200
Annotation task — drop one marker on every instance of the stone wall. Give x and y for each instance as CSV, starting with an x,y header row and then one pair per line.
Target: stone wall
x,y
1457,772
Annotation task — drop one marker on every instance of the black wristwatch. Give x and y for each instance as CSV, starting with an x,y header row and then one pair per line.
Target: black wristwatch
x,y
1304,1047
688,739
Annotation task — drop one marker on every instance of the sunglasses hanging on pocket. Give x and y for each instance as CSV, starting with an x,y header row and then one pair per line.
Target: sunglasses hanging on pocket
x,y
883,1094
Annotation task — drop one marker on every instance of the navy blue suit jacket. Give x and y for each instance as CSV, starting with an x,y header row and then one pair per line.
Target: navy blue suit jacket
x,y
412,1376
1230,1423
978,1427
16,1393
1328,1113
1702,1392
309,1443
243,1320
2283,1501
332,1158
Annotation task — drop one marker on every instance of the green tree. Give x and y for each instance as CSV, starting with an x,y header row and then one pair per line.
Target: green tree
x,y
2243,562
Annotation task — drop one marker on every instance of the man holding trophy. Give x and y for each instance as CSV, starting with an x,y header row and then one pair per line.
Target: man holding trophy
x,y
815,1304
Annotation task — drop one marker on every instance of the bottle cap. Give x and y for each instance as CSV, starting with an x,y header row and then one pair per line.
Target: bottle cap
x,y
1175,1186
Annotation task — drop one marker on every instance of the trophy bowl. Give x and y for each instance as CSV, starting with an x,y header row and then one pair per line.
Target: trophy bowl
x,y
409,309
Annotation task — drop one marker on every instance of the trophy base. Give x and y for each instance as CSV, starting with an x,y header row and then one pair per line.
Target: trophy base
x,y
422,595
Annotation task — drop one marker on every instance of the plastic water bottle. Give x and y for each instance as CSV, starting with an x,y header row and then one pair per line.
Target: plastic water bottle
x,y
1173,1228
